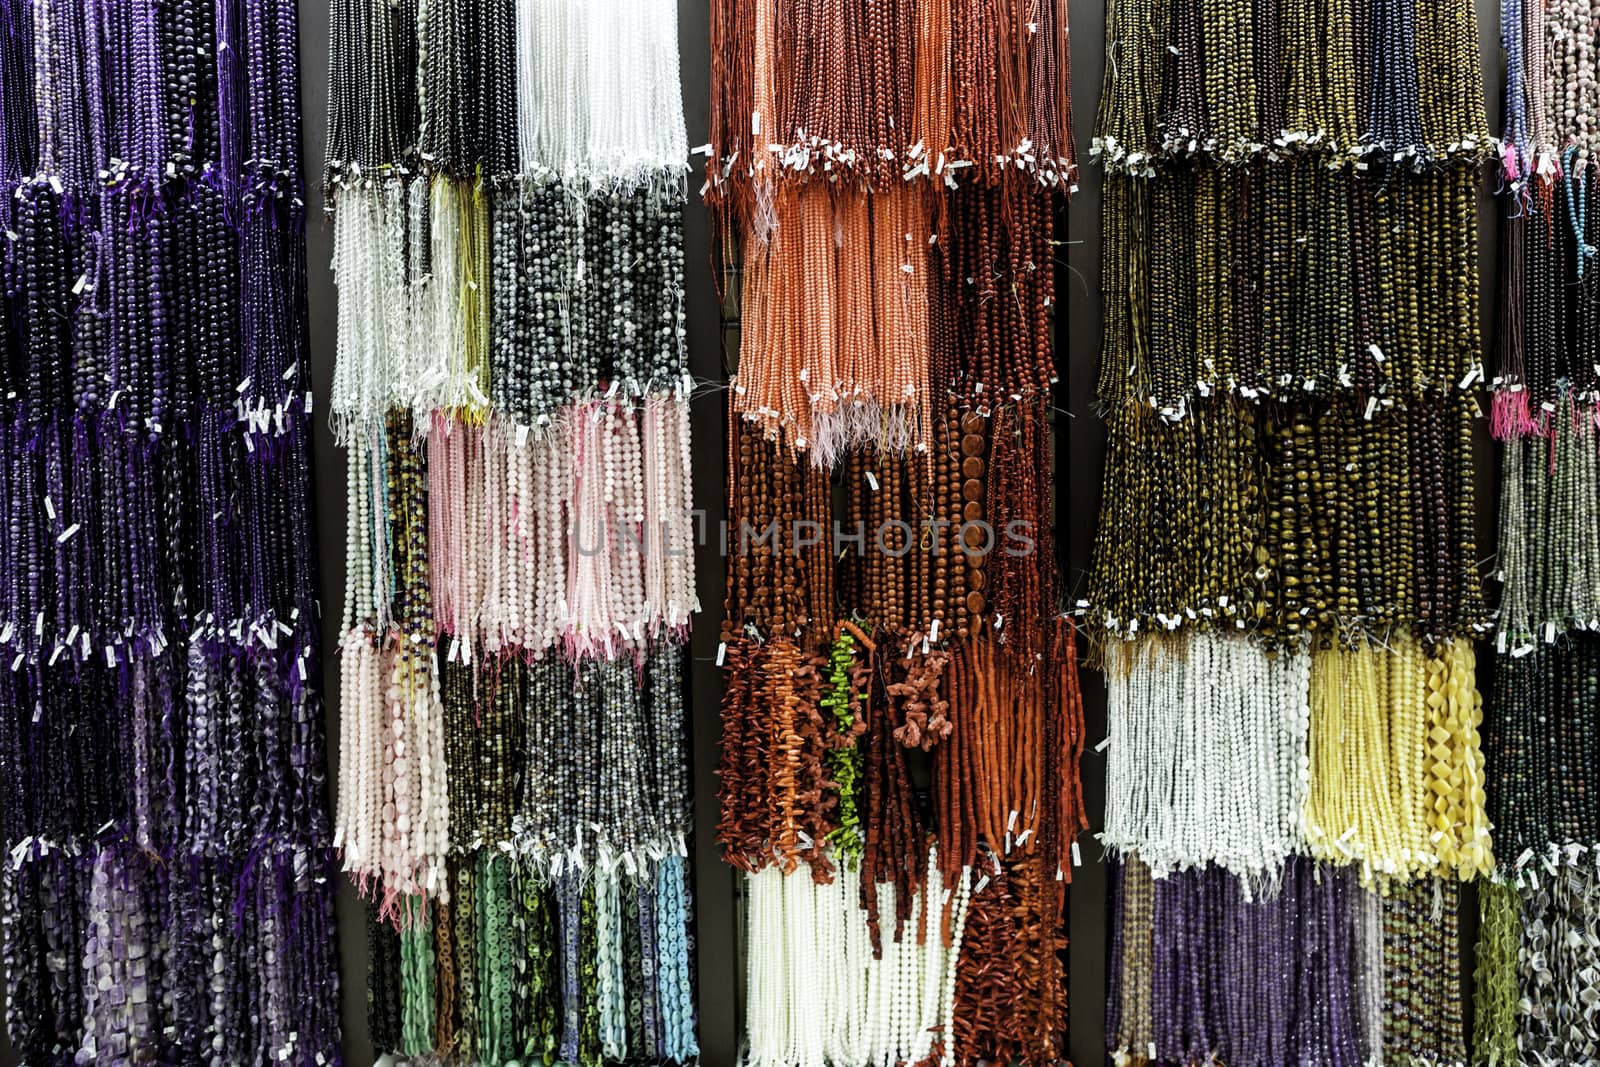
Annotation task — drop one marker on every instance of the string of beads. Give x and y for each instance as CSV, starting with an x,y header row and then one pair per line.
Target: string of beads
x,y
507,190
1533,957
1351,82
902,722
167,892
1286,569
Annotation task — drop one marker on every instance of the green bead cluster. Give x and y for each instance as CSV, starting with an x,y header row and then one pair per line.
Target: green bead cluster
x,y
538,972
481,973
1541,737
484,726
497,950
464,919
1550,531
842,702
417,964
589,1054
1495,994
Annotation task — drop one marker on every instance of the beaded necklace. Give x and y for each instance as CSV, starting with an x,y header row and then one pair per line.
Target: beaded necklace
x,y
901,722
511,387
1301,316
1235,81
162,726
1318,971
1539,753
1332,523
1287,547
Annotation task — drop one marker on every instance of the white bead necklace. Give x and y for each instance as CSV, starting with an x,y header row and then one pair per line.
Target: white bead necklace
x,y
1206,759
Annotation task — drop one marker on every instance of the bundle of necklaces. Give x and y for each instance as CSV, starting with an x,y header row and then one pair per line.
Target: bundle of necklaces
x,y
902,723
1285,574
167,893
507,181
1538,963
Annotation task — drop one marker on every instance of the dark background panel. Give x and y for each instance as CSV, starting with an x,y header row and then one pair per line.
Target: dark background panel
x,y
330,504
1080,446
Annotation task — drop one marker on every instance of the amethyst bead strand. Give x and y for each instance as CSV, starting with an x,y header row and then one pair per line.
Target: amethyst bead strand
x,y
160,728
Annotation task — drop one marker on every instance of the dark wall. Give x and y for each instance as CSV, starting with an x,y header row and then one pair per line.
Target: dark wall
x,y
1080,447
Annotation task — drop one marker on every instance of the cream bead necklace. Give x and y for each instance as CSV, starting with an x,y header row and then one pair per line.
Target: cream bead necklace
x,y
819,998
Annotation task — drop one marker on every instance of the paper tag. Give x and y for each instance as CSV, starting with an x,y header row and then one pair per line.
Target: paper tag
x,y
722,652
49,506
1077,856
66,535
872,480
